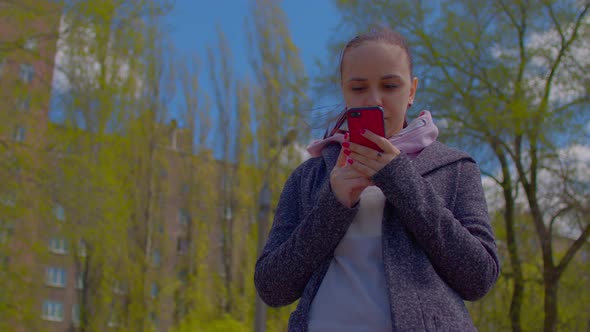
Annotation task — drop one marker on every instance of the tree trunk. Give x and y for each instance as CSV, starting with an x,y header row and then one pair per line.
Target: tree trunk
x,y
511,242
551,287
518,291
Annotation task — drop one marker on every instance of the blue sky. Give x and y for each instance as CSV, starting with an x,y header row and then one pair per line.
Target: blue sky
x,y
193,26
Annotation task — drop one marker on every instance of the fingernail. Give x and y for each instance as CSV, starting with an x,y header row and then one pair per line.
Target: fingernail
x,y
350,161
347,152
346,144
346,136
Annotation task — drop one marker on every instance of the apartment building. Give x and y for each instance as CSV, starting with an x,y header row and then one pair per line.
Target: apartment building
x,y
27,51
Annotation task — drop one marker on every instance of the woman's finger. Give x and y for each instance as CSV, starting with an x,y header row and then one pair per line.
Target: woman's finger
x,y
381,141
374,165
341,162
363,168
379,159
348,172
358,182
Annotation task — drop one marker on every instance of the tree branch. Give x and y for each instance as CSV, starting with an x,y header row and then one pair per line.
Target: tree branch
x,y
579,101
574,248
565,45
558,214
491,176
509,14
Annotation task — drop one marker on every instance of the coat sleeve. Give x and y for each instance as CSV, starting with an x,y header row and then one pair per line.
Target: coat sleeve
x,y
299,241
460,243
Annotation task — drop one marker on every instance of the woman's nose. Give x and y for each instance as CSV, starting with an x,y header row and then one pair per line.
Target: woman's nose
x,y
373,98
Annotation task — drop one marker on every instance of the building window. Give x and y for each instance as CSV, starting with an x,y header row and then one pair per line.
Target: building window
x,y
8,199
19,134
183,216
163,172
173,145
58,246
155,290
24,103
6,231
53,311
156,258
120,287
59,211
182,276
4,261
76,315
26,72
228,213
182,245
30,44
80,281
55,277
154,319
162,202
2,66
82,247
185,189
221,239
113,320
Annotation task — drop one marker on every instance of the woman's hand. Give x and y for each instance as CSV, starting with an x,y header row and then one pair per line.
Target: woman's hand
x,y
367,161
347,182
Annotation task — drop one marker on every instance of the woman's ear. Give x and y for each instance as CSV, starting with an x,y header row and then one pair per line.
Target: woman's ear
x,y
413,91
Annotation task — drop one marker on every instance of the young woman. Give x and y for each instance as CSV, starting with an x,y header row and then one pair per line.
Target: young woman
x,y
380,241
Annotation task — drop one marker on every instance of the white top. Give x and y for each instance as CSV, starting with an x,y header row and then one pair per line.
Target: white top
x,y
353,294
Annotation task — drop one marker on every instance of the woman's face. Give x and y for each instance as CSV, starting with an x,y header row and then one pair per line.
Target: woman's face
x,y
377,73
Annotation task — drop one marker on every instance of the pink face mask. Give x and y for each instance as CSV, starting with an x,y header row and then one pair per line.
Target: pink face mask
x,y
417,135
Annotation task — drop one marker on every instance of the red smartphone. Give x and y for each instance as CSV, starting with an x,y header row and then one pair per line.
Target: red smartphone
x,y
370,118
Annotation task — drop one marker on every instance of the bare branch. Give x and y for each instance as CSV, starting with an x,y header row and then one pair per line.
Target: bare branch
x,y
513,19
574,248
579,101
491,176
558,214
555,22
565,45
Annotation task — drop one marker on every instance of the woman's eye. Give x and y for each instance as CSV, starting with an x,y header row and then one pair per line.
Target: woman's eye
x,y
390,86
358,88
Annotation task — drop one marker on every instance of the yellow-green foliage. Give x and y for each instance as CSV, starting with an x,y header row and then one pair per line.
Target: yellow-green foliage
x,y
105,164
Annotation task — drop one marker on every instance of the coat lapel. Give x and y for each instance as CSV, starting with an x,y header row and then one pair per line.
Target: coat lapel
x,y
437,155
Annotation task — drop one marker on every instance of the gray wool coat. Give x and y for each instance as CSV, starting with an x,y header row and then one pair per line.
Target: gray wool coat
x,y
438,245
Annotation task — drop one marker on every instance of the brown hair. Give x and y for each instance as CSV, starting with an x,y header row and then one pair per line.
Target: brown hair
x,y
383,34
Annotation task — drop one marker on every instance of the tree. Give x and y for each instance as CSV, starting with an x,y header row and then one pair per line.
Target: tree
x,y
193,290
112,100
227,138
509,78
279,102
